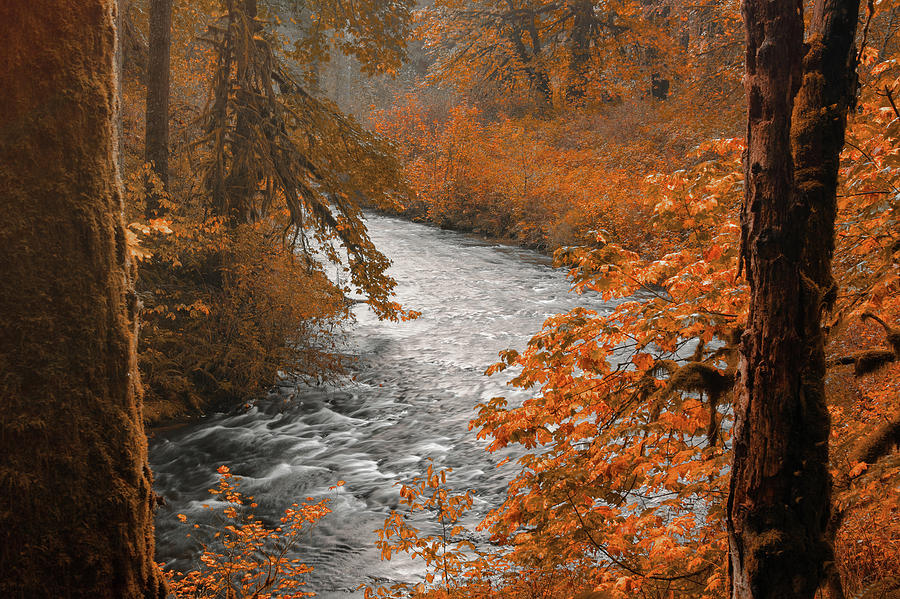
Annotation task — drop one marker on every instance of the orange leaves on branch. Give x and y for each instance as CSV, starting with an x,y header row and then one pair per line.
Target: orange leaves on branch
x,y
447,555
622,476
858,469
644,362
245,558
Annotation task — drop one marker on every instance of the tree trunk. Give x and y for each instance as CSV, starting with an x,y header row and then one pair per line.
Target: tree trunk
x,y
76,517
156,141
233,179
539,77
779,502
531,60
243,181
580,50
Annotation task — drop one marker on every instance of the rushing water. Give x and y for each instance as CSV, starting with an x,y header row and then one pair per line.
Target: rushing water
x,y
416,385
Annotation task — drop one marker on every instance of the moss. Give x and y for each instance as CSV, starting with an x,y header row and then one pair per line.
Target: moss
x,y
871,360
77,518
879,443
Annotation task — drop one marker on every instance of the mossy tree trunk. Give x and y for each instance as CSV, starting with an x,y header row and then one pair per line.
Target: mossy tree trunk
x,y
76,515
156,140
241,103
243,180
798,96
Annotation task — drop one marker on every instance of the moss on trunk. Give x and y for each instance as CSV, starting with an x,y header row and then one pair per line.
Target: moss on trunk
x,y
76,516
798,95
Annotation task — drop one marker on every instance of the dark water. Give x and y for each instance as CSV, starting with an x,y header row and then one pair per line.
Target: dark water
x,y
416,385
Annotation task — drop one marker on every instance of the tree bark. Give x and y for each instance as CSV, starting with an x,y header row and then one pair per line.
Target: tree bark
x,y
583,22
243,181
798,96
156,141
233,180
522,25
76,516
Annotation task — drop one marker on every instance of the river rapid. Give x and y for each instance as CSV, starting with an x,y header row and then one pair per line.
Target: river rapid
x,y
414,389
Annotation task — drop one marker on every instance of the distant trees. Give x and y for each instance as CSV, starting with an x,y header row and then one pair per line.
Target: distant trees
x,y
76,517
566,52
798,95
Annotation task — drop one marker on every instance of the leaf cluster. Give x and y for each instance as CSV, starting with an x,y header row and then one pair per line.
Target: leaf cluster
x,y
244,558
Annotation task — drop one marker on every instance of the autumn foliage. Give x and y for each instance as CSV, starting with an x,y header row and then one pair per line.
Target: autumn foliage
x,y
626,442
609,136
242,556
250,251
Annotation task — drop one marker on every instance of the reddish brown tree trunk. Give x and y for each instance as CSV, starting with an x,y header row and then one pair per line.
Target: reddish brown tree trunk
x,y
580,49
798,95
75,517
156,140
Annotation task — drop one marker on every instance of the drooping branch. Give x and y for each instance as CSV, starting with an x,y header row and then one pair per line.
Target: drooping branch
x,y
878,444
871,360
704,378
274,149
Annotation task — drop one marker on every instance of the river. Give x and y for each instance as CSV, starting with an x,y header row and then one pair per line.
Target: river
x,y
414,389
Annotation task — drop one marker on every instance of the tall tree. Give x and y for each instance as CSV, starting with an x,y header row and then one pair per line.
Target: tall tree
x,y
798,94
583,30
253,62
76,517
156,141
276,151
